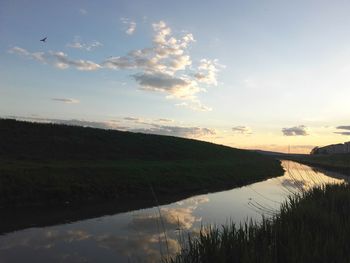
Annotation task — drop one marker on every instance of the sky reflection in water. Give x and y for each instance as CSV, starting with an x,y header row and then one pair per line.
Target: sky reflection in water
x,y
139,236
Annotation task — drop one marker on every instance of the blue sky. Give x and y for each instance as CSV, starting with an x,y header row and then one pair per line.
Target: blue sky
x,y
250,74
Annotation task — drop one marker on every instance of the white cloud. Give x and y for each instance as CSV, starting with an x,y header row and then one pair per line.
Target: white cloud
x,y
131,29
179,131
300,130
207,72
78,44
131,25
57,59
83,11
242,130
164,120
38,56
164,67
195,105
66,100
62,61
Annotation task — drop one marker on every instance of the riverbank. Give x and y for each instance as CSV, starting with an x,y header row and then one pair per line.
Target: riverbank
x,y
334,162
53,182
48,164
313,227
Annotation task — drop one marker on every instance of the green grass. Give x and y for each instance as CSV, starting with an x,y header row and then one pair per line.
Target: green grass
x,y
313,227
43,164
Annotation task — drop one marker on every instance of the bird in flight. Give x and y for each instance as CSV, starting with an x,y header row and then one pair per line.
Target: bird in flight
x,y
44,39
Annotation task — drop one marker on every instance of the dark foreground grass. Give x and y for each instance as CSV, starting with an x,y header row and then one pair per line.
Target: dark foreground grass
x,y
43,164
314,227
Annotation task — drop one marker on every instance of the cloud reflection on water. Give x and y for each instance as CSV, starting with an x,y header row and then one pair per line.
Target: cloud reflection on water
x,y
143,236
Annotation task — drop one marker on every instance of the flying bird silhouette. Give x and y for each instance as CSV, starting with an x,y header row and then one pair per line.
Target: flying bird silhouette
x,y
44,39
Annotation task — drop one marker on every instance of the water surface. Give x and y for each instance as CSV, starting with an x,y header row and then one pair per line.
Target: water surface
x,y
144,235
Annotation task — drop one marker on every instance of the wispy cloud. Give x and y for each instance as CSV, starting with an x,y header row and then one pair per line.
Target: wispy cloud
x,y
83,11
343,127
242,130
346,132
179,131
131,25
164,120
343,133
300,130
131,119
112,124
143,127
57,59
62,61
194,104
38,56
78,44
66,100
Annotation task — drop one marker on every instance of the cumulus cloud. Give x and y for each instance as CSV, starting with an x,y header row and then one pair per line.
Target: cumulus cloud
x,y
66,100
131,25
207,71
242,130
57,59
78,44
165,66
300,130
179,87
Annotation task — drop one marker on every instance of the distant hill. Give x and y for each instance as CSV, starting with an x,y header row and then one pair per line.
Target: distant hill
x,y
332,149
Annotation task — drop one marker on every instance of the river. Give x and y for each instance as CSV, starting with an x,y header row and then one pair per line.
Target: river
x,y
147,234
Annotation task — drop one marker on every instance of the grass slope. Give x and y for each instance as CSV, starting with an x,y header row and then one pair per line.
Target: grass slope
x,y
314,227
49,163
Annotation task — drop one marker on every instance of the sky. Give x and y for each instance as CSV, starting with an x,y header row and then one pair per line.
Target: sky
x,y
271,75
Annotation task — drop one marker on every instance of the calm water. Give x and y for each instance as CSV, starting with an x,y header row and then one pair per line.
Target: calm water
x,y
139,236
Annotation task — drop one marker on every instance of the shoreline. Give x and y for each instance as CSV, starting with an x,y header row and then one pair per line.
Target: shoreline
x,y
48,215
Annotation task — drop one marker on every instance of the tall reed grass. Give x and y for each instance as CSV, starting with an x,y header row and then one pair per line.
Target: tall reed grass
x,y
313,226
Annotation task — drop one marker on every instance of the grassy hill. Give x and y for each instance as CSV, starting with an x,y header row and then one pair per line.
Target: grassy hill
x,y
54,164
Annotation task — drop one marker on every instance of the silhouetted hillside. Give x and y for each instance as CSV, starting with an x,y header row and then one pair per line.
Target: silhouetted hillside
x,y
55,164
28,140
